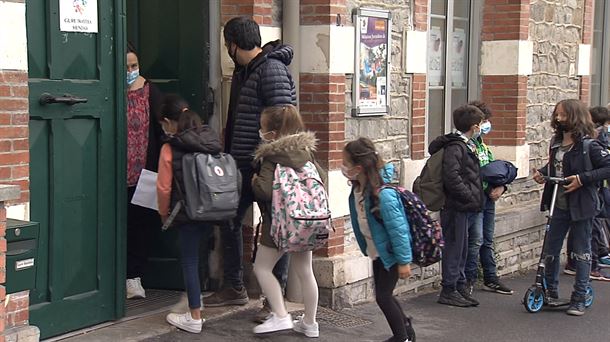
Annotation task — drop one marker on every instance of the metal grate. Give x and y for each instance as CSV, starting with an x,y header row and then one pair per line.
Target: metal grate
x,y
155,300
337,319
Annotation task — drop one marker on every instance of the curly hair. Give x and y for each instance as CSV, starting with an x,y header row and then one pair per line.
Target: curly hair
x,y
578,121
483,107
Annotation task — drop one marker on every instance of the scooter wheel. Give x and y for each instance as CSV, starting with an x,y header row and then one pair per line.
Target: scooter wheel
x,y
533,299
589,296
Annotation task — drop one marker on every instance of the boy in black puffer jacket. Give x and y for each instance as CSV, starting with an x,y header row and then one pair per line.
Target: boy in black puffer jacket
x,y
464,201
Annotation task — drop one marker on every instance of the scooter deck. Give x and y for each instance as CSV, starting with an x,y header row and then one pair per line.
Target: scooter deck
x,y
558,302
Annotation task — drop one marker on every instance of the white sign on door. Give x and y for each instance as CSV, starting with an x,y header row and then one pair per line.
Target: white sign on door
x,y
78,16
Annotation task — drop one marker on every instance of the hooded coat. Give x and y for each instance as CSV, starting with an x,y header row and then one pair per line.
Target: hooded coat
x,y
293,151
203,140
461,173
392,238
264,82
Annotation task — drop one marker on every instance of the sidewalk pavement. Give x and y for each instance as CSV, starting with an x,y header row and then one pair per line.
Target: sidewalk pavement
x,y
499,318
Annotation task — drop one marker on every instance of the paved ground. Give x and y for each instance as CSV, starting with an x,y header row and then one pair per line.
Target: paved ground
x,y
499,318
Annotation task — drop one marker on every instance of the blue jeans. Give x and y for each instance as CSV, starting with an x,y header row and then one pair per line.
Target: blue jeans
x,y
233,243
189,236
561,223
456,225
480,244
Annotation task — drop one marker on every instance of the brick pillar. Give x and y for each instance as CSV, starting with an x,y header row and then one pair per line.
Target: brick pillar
x,y
7,193
587,38
14,118
322,101
259,10
504,86
419,83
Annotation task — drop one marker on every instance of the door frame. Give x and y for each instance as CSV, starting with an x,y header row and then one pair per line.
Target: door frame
x,y
120,38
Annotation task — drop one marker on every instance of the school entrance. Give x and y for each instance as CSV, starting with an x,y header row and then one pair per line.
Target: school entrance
x,y
77,148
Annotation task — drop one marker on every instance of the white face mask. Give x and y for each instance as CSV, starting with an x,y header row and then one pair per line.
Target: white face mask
x,y
262,136
345,171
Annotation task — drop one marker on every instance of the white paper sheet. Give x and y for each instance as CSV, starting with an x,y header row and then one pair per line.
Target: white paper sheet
x,y
146,190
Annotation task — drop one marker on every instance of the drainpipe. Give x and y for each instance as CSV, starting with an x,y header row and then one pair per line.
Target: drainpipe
x,y
214,89
291,18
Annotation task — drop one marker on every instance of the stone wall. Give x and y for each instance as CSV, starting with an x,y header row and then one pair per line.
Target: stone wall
x,y
556,31
390,132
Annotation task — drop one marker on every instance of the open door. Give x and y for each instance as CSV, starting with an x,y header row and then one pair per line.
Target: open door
x,y
75,121
171,39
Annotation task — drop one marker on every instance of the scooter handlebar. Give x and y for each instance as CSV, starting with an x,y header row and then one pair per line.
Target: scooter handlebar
x,y
555,180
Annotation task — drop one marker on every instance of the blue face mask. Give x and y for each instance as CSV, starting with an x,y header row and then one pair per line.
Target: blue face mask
x,y
608,129
132,76
486,127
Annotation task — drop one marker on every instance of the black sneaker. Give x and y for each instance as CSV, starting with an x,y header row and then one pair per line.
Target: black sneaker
x,y
454,299
498,287
576,309
227,296
467,296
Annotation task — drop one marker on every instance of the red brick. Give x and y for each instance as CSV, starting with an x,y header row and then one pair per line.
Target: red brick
x,y
14,158
5,173
12,104
18,172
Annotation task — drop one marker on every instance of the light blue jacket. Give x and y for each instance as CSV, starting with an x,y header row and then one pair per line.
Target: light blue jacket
x,y
393,237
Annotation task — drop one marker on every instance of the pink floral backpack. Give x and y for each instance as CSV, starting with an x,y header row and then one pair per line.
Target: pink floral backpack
x,y
300,216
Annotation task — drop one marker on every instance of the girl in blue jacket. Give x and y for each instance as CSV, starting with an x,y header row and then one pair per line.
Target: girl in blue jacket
x,y
381,228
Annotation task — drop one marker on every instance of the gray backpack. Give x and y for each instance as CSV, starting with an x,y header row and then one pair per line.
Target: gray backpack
x,y
211,186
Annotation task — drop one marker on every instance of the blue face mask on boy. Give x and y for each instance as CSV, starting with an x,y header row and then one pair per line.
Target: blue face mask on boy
x,y
485,127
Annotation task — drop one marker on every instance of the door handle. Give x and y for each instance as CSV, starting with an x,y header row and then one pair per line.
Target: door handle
x,y
67,99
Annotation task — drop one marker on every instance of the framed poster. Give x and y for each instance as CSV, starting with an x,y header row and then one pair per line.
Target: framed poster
x,y
371,90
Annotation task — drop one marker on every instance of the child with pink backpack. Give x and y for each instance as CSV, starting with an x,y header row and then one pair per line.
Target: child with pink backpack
x,y
295,219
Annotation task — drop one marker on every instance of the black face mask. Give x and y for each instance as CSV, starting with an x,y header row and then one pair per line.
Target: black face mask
x,y
561,126
233,55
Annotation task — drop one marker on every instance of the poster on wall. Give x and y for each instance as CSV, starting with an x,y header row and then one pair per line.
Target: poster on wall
x,y
435,57
458,58
371,81
78,16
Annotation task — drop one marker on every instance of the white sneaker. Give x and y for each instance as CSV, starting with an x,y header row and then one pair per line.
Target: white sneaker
x,y
308,330
135,289
185,322
274,323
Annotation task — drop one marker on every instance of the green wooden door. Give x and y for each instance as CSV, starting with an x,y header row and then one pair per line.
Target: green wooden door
x,y
74,168
171,39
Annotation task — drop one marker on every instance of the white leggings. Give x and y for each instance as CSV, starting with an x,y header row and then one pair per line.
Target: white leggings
x,y
266,258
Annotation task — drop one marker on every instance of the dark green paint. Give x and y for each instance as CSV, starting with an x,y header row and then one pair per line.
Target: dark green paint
x,y
76,183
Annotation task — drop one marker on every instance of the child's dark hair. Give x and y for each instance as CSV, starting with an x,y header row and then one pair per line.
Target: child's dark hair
x,y
243,32
284,119
483,107
599,115
578,122
362,152
176,108
466,116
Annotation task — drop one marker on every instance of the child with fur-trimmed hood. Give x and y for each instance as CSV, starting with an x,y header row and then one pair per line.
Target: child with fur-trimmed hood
x,y
284,142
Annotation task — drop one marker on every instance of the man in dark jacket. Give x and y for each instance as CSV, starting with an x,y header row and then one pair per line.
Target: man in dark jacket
x,y
261,79
464,201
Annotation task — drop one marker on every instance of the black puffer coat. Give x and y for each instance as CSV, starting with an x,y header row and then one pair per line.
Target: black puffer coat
x,y
461,174
266,81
